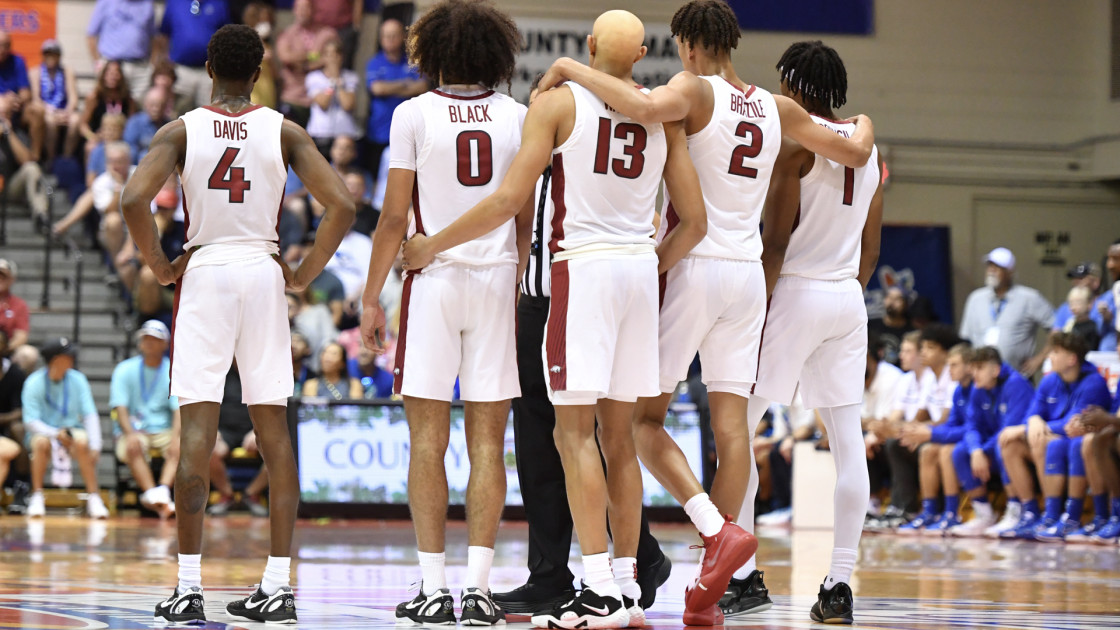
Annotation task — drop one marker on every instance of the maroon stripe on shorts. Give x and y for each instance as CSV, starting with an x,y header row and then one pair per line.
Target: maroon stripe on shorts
x,y
556,337
559,209
416,207
761,340
402,337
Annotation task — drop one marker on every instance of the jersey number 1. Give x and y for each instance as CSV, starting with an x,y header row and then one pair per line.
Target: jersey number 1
x,y
229,177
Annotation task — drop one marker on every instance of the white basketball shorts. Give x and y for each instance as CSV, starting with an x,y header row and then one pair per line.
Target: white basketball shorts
x,y
222,312
716,306
815,334
601,339
458,320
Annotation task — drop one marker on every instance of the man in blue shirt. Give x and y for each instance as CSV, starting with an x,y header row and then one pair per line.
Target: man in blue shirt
x,y
1053,433
58,409
1104,450
147,416
122,30
390,81
188,26
143,125
999,399
15,89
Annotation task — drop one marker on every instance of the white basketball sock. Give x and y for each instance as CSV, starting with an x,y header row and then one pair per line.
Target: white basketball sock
x,y
704,514
597,574
479,560
190,571
432,568
843,561
277,573
626,575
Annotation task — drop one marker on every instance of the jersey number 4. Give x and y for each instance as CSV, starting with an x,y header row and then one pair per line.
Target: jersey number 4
x,y
229,177
636,134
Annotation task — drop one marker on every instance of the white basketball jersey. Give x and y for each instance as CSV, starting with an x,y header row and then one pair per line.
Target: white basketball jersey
x,y
605,178
463,146
734,156
825,244
233,183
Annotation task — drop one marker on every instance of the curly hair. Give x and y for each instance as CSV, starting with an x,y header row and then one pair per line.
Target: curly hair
x,y
465,41
707,23
235,52
816,72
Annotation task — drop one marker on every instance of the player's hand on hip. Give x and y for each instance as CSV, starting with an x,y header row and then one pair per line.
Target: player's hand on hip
x,y
416,253
289,275
174,270
373,328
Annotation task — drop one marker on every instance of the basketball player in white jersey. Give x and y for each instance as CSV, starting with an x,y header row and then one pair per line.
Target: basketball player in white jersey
x,y
715,300
449,149
600,347
232,157
821,232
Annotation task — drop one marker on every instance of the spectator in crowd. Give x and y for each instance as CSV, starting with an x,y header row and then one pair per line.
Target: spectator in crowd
x,y
365,221
1080,321
894,323
934,442
55,90
104,197
345,17
147,416
1106,303
332,90
163,79
789,424
937,382
880,391
235,430
23,177
15,89
334,380
15,319
185,32
301,368
390,81
376,382
1051,439
327,289
110,96
122,31
260,16
921,312
26,357
143,125
1103,455
59,413
300,50
312,320
1007,315
111,130
999,399
1084,274
351,263
151,300
12,433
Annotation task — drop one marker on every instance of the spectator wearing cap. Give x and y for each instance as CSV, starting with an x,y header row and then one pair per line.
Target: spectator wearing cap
x,y
186,29
54,88
15,91
1007,315
59,412
1106,303
15,319
1083,274
122,30
147,415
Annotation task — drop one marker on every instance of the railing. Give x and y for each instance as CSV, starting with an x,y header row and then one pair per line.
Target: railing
x,y
73,250
48,247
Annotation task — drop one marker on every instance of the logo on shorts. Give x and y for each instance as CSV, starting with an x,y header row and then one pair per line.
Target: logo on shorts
x,y
556,369
397,371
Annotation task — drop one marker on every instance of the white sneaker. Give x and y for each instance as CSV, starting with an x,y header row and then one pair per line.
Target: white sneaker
x,y
1009,521
775,518
156,498
976,526
95,507
36,508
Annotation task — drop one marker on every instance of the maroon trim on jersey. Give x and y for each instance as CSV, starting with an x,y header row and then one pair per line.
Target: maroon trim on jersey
x,y
402,338
460,97
186,213
746,93
218,110
796,220
556,337
416,207
559,210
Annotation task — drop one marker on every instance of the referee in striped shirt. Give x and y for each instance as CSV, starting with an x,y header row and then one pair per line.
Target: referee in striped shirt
x,y
539,469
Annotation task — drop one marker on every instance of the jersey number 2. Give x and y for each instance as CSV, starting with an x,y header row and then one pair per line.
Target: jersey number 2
x,y
470,172
229,177
637,136
744,152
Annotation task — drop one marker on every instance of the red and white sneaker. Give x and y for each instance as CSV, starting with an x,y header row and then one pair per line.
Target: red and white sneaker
x,y
724,553
711,616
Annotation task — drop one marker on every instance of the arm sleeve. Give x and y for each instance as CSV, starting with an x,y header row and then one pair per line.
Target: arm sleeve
x,y
92,423
405,136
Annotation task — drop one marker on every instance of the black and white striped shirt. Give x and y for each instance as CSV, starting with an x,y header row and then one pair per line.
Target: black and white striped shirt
x,y
536,280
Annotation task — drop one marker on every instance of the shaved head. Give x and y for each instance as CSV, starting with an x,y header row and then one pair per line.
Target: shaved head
x,y
616,41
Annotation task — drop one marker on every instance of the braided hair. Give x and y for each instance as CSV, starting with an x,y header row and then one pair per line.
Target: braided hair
x,y
816,72
465,41
708,24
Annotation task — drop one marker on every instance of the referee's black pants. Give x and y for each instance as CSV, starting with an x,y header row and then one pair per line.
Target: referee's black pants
x,y
538,462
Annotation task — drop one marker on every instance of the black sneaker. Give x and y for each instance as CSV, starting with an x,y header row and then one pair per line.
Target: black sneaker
x,y
437,609
745,596
280,607
20,492
479,608
587,610
833,605
652,577
532,599
185,608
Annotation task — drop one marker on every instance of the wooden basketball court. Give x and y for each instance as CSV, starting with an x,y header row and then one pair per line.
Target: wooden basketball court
x,y
70,572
